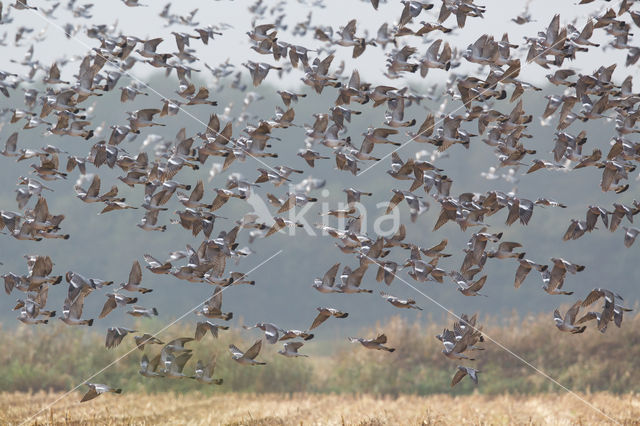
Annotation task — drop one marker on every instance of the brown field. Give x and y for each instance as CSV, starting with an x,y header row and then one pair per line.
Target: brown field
x,y
276,409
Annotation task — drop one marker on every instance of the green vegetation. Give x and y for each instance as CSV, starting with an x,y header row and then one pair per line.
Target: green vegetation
x,y
37,358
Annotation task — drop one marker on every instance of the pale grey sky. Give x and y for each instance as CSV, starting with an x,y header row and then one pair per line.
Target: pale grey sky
x,y
144,22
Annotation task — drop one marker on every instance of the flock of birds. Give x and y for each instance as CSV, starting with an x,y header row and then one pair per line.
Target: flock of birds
x,y
63,108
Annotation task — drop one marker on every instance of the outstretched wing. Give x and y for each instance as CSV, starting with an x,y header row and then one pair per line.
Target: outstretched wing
x,y
381,339
135,275
329,278
322,317
457,377
254,350
235,351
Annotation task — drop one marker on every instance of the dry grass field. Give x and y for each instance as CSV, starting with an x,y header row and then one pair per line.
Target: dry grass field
x,y
276,409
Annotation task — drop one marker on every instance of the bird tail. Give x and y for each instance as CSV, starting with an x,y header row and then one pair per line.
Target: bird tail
x,y
155,311
90,322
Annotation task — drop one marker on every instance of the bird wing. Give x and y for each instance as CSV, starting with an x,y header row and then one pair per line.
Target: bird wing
x,y
355,277
588,317
383,133
381,339
144,363
322,317
135,275
458,376
201,329
329,277
75,310
398,111
508,246
521,273
215,301
426,129
12,142
110,341
235,351
180,341
198,192
288,204
293,345
395,200
211,366
592,218
473,374
556,316
571,314
254,350
94,188
109,306
178,363
557,276
153,364
152,261
477,286
593,296
271,333
219,201
147,114
91,393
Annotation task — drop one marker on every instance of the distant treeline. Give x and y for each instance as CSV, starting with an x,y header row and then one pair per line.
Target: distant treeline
x,y
33,358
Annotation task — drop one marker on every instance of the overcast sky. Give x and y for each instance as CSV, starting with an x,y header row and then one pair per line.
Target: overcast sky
x,y
144,22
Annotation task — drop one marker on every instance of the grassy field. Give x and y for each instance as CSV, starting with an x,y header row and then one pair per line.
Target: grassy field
x,y
276,409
